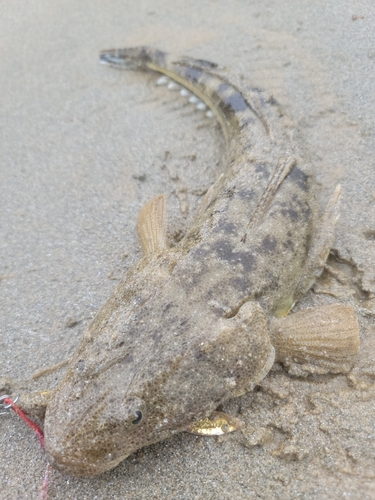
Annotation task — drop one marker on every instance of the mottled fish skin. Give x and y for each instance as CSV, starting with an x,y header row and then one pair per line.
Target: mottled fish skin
x,y
172,342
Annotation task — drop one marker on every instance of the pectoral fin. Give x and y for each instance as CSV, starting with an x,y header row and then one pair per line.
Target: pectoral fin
x,y
217,424
317,340
152,225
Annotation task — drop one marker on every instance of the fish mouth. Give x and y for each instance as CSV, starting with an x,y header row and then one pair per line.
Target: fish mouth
x,y
82,455
81,467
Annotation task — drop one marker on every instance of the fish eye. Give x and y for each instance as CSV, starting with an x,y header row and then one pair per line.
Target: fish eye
x,y
139,417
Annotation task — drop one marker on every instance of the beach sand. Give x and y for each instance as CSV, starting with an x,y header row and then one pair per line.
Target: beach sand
x,y
83,146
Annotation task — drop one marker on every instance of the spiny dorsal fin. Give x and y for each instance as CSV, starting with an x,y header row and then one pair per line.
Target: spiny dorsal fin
x,y
283,169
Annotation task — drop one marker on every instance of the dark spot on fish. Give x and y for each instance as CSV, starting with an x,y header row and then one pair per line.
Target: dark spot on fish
x,y
223,226
193,74
308,242
206,64
290,213
289,244
242,284
293,214
233,102
299,178
246,193
225,252
269,244
307,212
195,63
262,168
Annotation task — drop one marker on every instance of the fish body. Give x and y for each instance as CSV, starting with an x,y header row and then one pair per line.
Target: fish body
x,y
188,327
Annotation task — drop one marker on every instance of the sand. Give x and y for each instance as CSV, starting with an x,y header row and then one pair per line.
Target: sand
x,y
83,147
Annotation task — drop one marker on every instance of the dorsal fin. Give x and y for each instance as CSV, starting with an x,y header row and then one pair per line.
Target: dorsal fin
x,y
283,169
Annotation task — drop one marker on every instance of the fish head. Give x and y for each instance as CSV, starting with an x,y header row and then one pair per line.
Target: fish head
x,y
108,407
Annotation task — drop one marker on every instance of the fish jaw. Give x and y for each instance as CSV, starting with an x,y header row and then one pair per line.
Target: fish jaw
x,y
87,433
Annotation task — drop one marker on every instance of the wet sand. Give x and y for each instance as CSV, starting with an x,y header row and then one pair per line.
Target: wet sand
x,y
83,147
